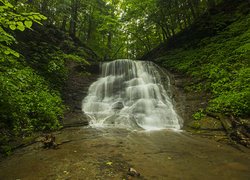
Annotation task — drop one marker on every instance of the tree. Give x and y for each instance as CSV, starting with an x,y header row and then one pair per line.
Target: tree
x,y
105,25
74,16
12,20
211,3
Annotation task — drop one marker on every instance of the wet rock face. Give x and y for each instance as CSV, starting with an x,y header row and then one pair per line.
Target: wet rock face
x,y
185,102
118,105
75,89
241,131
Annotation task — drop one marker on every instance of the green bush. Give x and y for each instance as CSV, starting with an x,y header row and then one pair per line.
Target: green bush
x,y
236,103
199,115
27,104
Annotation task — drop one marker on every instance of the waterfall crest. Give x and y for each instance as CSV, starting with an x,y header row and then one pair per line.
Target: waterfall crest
x,y
130,94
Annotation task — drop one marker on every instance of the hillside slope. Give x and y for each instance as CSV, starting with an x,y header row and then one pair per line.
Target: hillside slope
x,y
215,53
32,86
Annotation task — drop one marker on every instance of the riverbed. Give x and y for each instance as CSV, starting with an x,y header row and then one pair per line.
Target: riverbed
x,y
107,153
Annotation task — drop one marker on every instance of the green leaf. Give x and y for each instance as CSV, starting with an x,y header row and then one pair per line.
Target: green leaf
x,y
7,52
12,27
43,17
109,163
8,4
16,54
37,17
21,28
28,24
20,23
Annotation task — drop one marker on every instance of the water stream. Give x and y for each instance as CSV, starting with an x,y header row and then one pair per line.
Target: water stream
x,y
130,94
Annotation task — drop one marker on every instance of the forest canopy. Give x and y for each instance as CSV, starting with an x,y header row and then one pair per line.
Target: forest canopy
x,y
119,28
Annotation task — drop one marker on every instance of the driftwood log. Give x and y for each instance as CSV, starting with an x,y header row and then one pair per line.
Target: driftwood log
x,y
237,130
49,141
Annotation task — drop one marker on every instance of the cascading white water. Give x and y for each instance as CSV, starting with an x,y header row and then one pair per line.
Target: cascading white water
x,y
130,94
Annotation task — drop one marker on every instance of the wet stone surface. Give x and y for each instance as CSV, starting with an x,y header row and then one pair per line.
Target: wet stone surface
x,y
109,153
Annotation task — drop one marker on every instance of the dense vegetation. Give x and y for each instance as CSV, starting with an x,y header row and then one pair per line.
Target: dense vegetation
x,y
206,39
33,70
120,28
215,53
217,57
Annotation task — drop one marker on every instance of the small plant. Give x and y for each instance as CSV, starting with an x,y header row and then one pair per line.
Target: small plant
x,y
6,150
199,115
196,125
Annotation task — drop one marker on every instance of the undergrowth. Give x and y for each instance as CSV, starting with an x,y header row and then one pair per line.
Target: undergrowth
x,y
219,64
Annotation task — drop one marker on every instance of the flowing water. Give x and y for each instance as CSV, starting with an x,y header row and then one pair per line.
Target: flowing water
x,y
130,94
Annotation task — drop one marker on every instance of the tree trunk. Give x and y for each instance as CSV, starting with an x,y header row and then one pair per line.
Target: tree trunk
x,y
196,5
109,45
211,4
168,33
73,20
64,22
91,26
44,6
191,7
185,22
178,12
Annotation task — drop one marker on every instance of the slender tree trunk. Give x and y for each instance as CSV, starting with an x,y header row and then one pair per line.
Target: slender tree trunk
x,y
164,34
73,21
89,34
191,7
80,33
109,45
172,31
44,6
168,33
196,5
90,26
117,51
177,6
185,22
144,43
64,22
179,22
148,42
211,3
173,25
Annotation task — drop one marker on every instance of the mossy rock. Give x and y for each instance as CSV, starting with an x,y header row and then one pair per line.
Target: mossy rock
x,y
206,123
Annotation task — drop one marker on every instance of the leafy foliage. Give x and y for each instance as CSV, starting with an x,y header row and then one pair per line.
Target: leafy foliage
x,y
199,115
121,29
220,64
12,20
27,104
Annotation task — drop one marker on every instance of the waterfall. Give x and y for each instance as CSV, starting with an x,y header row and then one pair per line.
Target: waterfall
x,y
130,94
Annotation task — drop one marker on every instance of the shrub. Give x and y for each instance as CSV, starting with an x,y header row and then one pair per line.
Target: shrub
x,y
27,104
